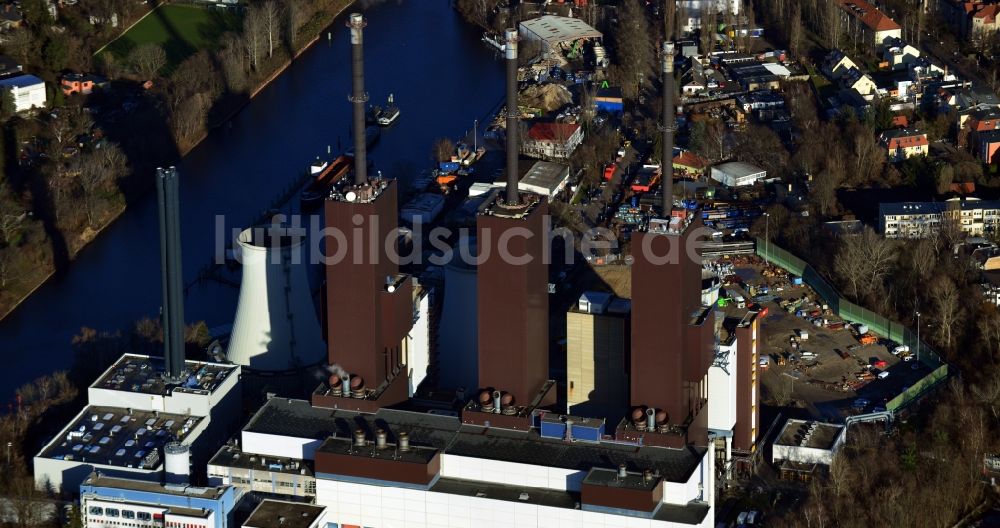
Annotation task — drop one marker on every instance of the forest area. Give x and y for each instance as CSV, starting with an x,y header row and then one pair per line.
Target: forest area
x,y
70,171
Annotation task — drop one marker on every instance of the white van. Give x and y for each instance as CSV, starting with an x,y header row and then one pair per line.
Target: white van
x,y
884,374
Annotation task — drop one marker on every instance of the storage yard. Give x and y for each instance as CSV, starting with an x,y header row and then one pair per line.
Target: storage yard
x,y
809,357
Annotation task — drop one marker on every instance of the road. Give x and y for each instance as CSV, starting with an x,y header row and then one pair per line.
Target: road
x,y
931,47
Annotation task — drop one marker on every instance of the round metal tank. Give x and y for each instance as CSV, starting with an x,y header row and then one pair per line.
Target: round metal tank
x,y
276,327
177,463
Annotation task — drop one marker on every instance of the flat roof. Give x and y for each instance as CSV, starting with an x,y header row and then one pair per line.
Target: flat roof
x,y
21,81
232,457
803,433
556,29
271,513
280,416
547,175
738,169
101,481
114,437
143,374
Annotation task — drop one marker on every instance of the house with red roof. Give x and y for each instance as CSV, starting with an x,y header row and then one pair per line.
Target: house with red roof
x,y
687,164
983,20
903,143
866,21
972,18
552,140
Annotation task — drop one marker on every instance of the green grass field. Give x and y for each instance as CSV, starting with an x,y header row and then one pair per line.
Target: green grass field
x,y
180,29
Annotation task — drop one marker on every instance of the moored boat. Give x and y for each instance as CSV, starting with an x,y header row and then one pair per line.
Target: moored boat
x,y
327,176
389,114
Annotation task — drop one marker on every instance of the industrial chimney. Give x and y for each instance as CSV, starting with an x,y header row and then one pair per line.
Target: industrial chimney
x,y
512,196
358,97
170,269
667,165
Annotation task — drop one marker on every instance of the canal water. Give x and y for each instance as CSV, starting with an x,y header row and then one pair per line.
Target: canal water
x,y
442,78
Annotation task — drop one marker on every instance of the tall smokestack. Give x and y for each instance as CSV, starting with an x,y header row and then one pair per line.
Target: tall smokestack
x,y
513,197
170,269
358,97
667,165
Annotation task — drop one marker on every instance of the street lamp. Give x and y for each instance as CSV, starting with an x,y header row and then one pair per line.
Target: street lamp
x,y
918,337
767,234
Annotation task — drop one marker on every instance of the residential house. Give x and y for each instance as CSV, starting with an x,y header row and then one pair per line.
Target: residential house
x,y
910,219
975,121
693,80
984,21
836,64
860,82
899,54
28,91
970,216
10,17
81,83
552,140
687,164
903,143
988,150
866,21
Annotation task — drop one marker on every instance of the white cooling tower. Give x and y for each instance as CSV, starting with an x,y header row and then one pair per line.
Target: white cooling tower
x,y
458,349
276,327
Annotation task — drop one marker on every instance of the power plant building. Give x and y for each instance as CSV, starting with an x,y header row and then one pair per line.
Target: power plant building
x,y
596,355
422,469
110,501
132,414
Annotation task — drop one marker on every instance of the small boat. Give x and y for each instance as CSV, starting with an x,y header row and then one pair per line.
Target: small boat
x,y
327,176
423,209
390,114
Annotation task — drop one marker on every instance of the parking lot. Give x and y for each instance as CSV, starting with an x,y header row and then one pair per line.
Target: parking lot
x,y
809,357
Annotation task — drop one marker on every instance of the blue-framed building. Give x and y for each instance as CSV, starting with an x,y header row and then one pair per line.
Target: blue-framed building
x,y
111,501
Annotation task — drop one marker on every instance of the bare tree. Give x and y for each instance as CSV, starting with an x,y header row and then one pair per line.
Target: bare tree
x,y
271,20
443,149
17,43
254,28
633,46
863,261
98,170
947,305
795,31
147,59
831,23
707,32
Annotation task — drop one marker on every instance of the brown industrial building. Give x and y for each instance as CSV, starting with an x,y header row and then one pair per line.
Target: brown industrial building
x,y
672,338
